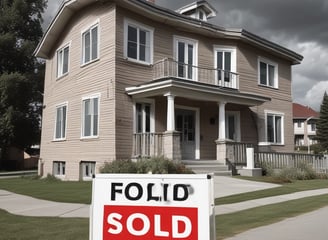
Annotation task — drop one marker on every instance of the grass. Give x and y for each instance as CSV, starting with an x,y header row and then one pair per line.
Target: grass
x,y
20,228
49,189
286,188
231,224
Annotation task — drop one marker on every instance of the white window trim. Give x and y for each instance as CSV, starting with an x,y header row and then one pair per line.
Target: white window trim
x,y
152,113
60,176
82,163
91,26
194,42
276,72
232,49
197,127
60,74
65,104
282,115
93,96
130,22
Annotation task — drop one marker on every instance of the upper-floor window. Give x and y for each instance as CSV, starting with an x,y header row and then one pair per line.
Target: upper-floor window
x,y
62,61
275,128
90,118
138,42
225,63
299,124
268,73
60,126
186,55
313,126
90,44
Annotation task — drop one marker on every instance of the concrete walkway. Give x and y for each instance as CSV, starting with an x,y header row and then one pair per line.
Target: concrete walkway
x,y
223,186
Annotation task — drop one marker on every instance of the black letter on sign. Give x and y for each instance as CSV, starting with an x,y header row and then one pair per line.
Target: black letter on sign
x,y
114,190
127,191
150,193
184,197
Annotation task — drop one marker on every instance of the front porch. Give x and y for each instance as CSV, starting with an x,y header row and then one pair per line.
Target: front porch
x,y
187,112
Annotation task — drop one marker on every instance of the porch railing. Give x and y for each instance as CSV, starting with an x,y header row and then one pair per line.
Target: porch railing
x,y
236,155
147,144
281,160
170,68
236,152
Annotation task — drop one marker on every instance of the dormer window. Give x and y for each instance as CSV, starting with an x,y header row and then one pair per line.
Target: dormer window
x,y
200,10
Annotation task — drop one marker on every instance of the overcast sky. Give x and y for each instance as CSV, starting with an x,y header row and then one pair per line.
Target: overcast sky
x,y
300,25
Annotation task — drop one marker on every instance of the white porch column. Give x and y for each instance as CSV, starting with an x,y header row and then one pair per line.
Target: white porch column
x,y
170,122
222,132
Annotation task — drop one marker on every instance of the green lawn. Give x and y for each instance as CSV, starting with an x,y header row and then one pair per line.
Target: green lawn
x,y
19,227
59,191
286,188
231,224
14,227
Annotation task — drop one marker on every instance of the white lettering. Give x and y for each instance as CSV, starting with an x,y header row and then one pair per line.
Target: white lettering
x,y
132,230
175,227
158,230
113,219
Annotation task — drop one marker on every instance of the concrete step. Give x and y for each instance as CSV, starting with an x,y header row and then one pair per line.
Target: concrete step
x,y
207,166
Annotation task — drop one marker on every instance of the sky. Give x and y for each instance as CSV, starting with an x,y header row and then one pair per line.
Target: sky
x,y
299,25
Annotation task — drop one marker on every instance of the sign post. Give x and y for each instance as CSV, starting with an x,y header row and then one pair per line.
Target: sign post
x,y
157,207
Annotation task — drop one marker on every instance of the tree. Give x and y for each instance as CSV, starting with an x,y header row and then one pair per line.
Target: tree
x,y
322,124
21,80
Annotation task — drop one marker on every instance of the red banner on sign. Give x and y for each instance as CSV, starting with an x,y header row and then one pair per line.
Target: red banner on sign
x,y
144,222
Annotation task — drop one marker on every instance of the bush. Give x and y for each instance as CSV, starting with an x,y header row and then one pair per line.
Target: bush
x,y
119,166
154,165
301,172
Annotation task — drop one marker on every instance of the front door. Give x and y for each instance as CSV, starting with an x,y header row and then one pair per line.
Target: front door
x,y
185,124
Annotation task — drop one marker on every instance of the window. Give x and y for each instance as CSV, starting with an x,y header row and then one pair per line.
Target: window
x,y
90,45
299,123
268,73
87,170
225,63
186,56
274,128
90,117
138,42
62,61
59,168
313,127
60,126
144,122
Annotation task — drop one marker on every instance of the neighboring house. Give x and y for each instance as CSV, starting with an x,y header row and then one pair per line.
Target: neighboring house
x,y
127,78
304,119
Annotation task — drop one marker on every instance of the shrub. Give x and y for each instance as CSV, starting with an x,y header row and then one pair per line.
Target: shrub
x,y
302,172
119,166
154,165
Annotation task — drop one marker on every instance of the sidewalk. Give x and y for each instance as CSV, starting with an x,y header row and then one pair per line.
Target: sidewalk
x,y
223,186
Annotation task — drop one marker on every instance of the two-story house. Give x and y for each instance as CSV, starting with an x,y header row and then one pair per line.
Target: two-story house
x,y
128,78
304,119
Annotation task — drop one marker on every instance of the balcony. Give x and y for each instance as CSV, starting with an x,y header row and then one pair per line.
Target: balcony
x,y
169,68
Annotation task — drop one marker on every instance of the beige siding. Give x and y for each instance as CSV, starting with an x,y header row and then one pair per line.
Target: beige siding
x,y
81,81
112,73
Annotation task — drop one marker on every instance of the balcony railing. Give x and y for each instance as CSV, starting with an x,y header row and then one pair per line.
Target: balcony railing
x,y
170,68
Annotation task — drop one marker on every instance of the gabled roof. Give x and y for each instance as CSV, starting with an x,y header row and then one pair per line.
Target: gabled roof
x,y
303,112
160,14
209,10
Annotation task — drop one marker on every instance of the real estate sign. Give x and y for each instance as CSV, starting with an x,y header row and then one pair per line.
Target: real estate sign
x,y
156,207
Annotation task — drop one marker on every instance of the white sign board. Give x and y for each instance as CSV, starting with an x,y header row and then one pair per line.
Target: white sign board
x,y
156,207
